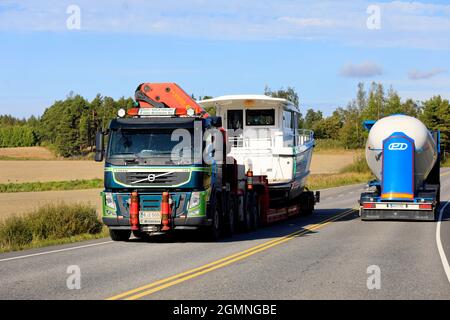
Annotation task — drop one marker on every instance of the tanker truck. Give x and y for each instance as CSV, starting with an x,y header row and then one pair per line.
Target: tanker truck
x,y
404,156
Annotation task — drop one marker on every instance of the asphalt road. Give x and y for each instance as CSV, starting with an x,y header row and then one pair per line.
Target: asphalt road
x,y
323,256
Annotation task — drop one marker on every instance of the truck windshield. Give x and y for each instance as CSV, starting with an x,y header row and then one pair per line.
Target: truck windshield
x,y
148,147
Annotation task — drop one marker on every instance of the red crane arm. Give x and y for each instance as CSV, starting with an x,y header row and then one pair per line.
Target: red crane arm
x,y
167,95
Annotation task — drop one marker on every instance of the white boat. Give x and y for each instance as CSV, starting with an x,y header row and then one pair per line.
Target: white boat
x,y
264,137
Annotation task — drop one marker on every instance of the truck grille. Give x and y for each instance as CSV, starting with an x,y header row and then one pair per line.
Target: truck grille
x,y
152,179
152,202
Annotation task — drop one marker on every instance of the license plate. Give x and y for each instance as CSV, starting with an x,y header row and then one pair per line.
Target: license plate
x,y
150,217
397,206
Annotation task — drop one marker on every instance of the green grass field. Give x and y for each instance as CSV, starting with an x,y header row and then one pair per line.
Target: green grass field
x,y
51,186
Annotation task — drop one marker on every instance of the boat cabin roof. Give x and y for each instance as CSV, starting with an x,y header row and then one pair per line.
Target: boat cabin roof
x,y
249,101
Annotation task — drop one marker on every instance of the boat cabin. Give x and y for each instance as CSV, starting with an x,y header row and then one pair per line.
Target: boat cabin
x,y
264,136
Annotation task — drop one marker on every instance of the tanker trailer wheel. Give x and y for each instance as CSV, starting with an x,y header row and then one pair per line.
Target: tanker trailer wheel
x,y
119,235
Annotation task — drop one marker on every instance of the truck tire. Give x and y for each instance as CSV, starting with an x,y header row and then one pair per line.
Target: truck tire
x,y
119,235
141,235
251,212
214,232
247,223
256,213
229,228
306,203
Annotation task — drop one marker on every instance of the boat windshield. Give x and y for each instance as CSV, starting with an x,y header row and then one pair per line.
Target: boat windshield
x,y
262,117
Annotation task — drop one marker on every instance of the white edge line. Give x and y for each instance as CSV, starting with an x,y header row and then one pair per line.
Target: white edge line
x,y
439,243
54,251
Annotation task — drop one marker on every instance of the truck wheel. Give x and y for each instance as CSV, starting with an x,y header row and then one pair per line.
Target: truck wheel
x,y
140,235
231,220
307,203
248,215
214,231
255,213
251,213
119,235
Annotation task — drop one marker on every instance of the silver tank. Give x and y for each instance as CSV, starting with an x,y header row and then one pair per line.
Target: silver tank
x,y
425,146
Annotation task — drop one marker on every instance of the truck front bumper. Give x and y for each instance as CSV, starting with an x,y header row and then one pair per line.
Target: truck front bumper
x,y
178,223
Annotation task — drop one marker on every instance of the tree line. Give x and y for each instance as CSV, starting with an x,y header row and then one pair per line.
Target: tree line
x,y
69,126
375,102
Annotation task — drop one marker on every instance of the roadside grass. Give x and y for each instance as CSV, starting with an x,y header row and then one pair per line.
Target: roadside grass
x,y
331,146
87,157
51,186
325,181
359,165
446,163
357,172
10,158
50,225
328,144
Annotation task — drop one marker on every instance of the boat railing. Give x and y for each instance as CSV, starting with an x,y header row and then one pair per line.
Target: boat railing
x,y
254,143
305,136
276,140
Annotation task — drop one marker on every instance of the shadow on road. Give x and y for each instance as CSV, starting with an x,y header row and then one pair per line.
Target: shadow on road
x,y
275,230
446,214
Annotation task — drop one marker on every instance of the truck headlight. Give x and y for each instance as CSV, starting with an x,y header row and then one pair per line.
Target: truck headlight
x,y
109,199
195,200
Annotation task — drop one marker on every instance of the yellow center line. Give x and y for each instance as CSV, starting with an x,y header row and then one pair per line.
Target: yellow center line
x,y
173,280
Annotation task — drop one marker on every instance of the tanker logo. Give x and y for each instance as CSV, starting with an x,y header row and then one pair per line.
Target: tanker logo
x,y
398,146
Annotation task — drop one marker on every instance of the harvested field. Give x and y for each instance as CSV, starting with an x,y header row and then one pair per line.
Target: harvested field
x,y
38,153
325,162
53,170
25,202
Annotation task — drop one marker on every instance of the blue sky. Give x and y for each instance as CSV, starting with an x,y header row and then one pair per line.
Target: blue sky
x,y
322,48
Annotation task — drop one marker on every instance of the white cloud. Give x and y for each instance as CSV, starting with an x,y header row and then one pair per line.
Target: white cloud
x,y
423,75
404,24
364,70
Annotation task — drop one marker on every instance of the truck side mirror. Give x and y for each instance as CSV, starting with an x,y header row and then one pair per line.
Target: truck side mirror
x,y
99,152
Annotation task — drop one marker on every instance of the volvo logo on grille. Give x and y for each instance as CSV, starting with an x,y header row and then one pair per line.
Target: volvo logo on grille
x,y
398,146
152,177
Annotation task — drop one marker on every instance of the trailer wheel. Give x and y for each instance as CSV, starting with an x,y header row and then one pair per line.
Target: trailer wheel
x,y
256,213
119,235
247,225
251,212
307,203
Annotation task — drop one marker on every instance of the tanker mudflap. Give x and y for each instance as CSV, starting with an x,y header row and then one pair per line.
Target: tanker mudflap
x,y
419,215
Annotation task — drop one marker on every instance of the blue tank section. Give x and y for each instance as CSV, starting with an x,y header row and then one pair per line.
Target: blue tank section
x,y
398,168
